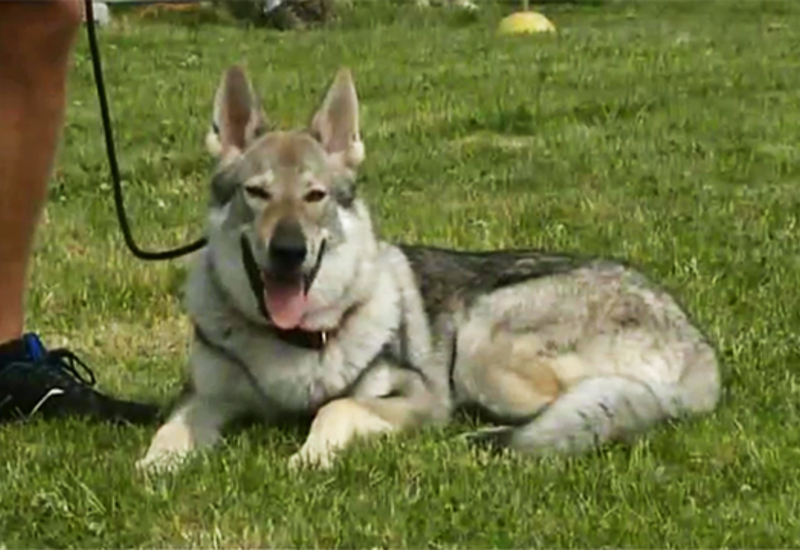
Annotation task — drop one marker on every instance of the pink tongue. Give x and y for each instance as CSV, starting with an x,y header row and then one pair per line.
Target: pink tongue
x,y
286,303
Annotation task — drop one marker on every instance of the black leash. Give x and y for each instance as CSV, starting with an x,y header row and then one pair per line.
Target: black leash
x,y
112,158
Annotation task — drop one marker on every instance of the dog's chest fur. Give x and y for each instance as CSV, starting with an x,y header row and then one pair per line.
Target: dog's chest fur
x,y
291,377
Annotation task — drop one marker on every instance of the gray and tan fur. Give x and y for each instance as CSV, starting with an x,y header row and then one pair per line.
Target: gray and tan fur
x,y
565,353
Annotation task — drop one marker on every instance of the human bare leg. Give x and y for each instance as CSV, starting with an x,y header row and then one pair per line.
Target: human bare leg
x,y
35,45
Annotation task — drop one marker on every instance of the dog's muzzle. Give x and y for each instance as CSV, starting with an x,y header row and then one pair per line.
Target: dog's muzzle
x,y
256,276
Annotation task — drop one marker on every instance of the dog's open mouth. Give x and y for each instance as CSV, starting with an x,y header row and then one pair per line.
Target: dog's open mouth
x,y
283,299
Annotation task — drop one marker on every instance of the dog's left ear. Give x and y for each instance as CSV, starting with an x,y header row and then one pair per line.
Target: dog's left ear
x,y
237,119
335,124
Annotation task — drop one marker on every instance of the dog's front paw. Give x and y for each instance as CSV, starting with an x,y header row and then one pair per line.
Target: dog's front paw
x,y
161,462
170,447
312,456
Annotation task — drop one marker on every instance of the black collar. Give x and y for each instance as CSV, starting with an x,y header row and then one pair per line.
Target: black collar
x,y
296,337
305,339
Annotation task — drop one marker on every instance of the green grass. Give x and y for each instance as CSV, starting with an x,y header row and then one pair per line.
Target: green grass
x,y
664,133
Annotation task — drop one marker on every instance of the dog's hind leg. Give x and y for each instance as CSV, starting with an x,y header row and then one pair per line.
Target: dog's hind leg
x,y
594,411
194,425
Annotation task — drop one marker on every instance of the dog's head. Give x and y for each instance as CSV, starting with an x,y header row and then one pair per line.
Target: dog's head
x,y
283,205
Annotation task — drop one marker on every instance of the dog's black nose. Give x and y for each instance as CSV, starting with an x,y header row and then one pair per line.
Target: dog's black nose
x,y
287,248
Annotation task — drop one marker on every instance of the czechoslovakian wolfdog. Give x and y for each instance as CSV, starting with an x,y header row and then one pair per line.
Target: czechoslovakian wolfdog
x,y
300,310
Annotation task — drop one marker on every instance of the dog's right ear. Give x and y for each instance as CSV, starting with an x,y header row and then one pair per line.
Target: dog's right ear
x,y
237,120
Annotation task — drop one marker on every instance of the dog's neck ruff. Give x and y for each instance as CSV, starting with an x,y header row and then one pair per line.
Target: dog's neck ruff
x,y
296,337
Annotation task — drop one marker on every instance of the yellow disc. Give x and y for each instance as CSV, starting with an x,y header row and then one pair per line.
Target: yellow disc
x,y
524,22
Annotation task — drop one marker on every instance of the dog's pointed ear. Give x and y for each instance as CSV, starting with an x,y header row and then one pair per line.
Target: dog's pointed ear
x,y
237,120
335,124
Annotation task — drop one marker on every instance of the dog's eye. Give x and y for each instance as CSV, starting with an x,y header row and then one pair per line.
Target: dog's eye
x,y
258,192
315,195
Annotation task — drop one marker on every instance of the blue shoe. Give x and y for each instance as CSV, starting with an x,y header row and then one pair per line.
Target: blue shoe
x,y
57,384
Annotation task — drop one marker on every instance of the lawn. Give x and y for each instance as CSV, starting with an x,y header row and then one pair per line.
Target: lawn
x,y
663,133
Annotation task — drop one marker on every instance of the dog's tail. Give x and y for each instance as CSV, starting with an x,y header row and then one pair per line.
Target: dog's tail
x,y
602,409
